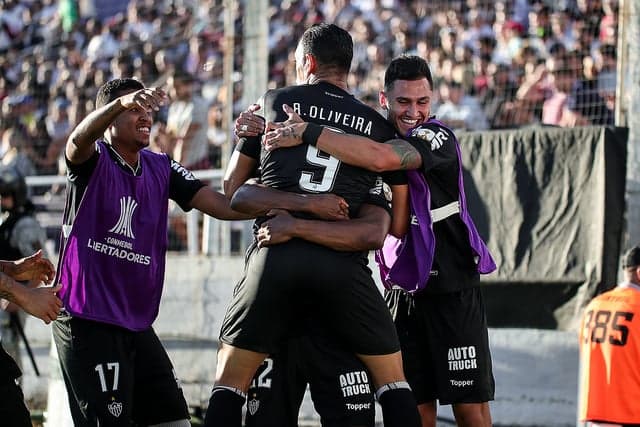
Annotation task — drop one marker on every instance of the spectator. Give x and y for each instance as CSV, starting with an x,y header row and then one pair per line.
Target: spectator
x,y
561,29
16,152
609,22
510,41
497,100
460,111
11,24
540,32
481,66
606,63
103,45
139,23
187,122
585,97
58,127
216,134
556,107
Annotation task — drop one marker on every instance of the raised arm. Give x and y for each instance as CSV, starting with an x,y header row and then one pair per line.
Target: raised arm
x,y
257,199
80,144
365,232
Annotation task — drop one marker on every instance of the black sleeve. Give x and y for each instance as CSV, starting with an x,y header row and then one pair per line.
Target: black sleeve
x,y
183,185
78,176
436,145
376,196
80,173
250,146
395,177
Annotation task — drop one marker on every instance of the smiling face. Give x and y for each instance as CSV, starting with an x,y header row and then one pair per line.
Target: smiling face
x,y
131,129
408,103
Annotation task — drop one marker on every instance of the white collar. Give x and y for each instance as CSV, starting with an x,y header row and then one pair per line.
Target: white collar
x,y
133,170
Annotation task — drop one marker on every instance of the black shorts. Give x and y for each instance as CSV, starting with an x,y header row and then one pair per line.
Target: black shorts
x,y
115,376
445,345
13,411
339,384
284,282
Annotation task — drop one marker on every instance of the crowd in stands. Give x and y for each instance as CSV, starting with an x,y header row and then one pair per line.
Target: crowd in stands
x,y
496,64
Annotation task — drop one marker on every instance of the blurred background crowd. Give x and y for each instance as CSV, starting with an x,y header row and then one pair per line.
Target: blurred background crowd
x,y
496,64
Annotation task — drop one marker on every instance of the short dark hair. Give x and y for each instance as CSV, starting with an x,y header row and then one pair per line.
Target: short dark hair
x,y
631,258
608,50
184,76
331,45
407,67
114,89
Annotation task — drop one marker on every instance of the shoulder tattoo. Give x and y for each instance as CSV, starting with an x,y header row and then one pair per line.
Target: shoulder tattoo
x,y
409,157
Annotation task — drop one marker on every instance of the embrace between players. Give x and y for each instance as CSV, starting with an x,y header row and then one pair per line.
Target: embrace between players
x,y
307,297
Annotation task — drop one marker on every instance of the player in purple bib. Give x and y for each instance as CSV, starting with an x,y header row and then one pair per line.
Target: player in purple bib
x,y
112,261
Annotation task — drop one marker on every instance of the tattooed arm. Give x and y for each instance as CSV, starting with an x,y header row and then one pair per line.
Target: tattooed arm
x,y
395,154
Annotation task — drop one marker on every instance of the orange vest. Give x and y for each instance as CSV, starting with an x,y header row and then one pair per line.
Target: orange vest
x,y
610,357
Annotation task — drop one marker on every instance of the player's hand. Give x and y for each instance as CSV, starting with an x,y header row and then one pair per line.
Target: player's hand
x,y
249,124
41,302
278,229
292,119
149,99
327,206
33,267
284,134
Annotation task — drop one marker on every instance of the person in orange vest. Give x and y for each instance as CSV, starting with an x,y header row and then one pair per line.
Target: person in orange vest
x,y
609,352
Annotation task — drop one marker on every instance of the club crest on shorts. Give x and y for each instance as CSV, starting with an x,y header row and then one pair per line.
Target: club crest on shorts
x,y
115,408
253,406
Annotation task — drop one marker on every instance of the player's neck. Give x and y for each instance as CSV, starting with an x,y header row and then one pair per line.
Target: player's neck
x,y
334,79
127,157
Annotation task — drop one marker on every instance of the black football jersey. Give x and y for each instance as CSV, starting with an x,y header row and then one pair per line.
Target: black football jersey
x,y
305,168
454,267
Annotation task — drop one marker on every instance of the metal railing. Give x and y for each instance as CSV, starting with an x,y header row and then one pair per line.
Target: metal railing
x,y
205,235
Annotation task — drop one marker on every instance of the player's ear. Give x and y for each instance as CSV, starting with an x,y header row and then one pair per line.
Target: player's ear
x,y
382,99
310,63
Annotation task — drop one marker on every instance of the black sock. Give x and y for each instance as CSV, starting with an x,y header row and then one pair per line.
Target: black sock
x,y
399,407
225,407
